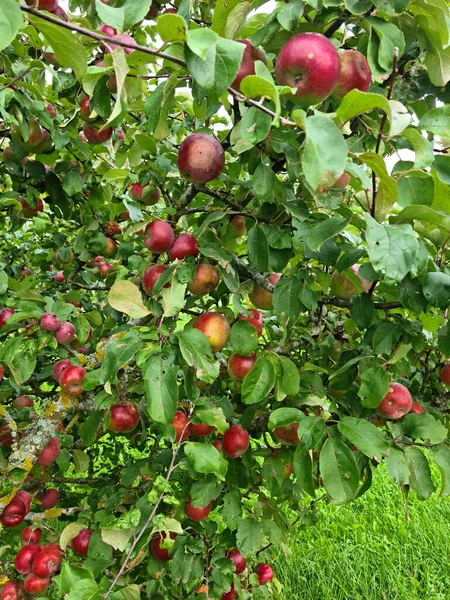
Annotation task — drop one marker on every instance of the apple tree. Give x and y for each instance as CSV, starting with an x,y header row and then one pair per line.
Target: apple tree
x,y
224,282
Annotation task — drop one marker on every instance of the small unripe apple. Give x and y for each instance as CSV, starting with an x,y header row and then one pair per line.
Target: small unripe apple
x,y
151,276
239,366
155,546
13,514
238,226
265,573
123,417
287,434
47,561
35,585
49,498
59,367
181,425
355,74
30,536
59,277
201,429
23,402
12,591
236,441
397,402
194,513
110,248
343,288
201,158
250,56
147,194
444,374
205,279
215,327
159,237
95,134
255,319
50,453
6,314
262,298
239,561
24,558
416,408
184,245
342,181
80,543
28,210
65,334
49,322
310,63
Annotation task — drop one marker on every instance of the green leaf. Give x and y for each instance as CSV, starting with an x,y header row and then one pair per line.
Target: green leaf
x,y
205,458
288,382
284,416
3,282
135,11
213,416
339,470
255,86
68,50
365,436
121,70
255,125
387,193
424,427
205,491
258,382
415,189
286,297
201,40
196,351
303,471
249,536
232,508
362,310
442,166
358,7
11,20
258,248
420,474
89,428
72,576
421,146
243,338
423,213
110,15
125,297
117,538
356,103
289,15
391,7
436,120
374,386
310,431
441,455
397,466
325,152
325,230
81,461
118,354
160,381
173,298
263,182
384,38
171,28
437,289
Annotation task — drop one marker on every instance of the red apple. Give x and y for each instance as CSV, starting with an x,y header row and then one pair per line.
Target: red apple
x,y
201,429
47,561
86,110
65,334
444,373
159,237
24,497
310,63
111,228
239,366
35,585
184,245
123,417
2,372
265,573
49,322
147,194
6,314
355,74
51,110
121,37
29,211
104,269
23,402
95,134
151,276
255,319
194,513
250,56
59,367
397,402
80,543
12,591
155,546
30,536
6,439
287,434
49,498
13,514
235,441
205,279
43,4
215,327
108,30
61,13
231,595
201,158
260,297
239,561
59,277
218,444
50,453
417,408
24,558
181,425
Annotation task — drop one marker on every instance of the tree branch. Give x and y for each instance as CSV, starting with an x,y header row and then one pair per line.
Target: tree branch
x,y
248,271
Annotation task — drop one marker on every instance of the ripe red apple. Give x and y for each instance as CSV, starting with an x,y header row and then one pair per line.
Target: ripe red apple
x,y
239,366
194,513
444,373
59,367
201,158
24,558
159,237
12,591
24,497
218,444
396,403
47,561
35,135
287,434
205,279
23,402
30,536
260,297
355,73
231,595
13,514
265,573
35,585
61,13
181,425
121,37
123,417
417,408
235,441
95,134
6,314
59,277
65,334
201,429
49,498
44,4
238,226
80,543
86,110
6,439
239,561
29,211
250,56
155,546
215,327
255,319
104,269
108,30
147,194
2,372
49,322
151,276
310,63
110,248
184,245
51,110
50,453
343,288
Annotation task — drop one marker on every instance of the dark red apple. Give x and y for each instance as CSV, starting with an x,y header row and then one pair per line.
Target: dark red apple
x,y
86,110
255,319
287,434
215,327
205,279
23,402
49,322
355,74
49,498
239,561
51,110
444,373
13,514
59,367
6,314
65,334
397,402
151,276
231,595
30,536
218,444
159,237
35,585
29,211
123,417
24,497
250,56
184,245
12,591
239,366
61,13
50,453
24,558
201,429
155,546
201,158
194,513
95,134
43,4
46,562
6,439
265,573
310,63
80,543
260,297
236,441
181,425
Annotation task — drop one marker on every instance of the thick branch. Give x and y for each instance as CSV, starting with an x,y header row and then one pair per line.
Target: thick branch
x,y
346,304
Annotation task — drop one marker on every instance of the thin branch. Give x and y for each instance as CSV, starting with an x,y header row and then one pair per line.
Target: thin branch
x,y
335,26
247,270
241,98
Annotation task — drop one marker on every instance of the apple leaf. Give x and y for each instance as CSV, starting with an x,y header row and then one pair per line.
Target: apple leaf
x,y
374,386
125,297
397,467
284,416
441,455
302,464
160,381
420,473
11,20
249,536
424,427
196,351
205,458
339,470
171,28
258,382
365,436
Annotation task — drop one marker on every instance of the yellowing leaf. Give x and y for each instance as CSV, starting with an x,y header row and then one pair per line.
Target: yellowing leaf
x,y
126,297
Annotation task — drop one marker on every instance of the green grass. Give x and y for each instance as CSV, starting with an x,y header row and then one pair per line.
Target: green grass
x,y
367,551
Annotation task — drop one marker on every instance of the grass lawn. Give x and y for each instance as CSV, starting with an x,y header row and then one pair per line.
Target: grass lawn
x,y
367,551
